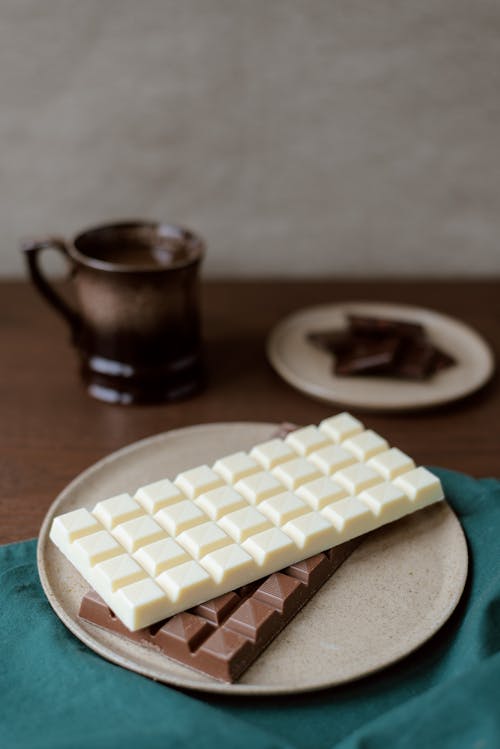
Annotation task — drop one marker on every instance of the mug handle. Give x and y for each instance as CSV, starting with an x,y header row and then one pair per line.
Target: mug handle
x,y
32,250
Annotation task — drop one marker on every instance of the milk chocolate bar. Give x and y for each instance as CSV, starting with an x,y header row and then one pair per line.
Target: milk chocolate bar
x,y
222,637
176,544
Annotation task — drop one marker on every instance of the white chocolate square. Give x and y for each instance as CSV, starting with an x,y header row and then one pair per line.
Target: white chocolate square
x,y
116,572
187,584
90,550
307,439
115,510
312,533
357,477
230,566
366,444
258,486
160,556
283,507
271,549
321,492
138,532
157,495
331,459
293,473
140,604
244,523
202,539
387,501
67,528
234,467
179,517
219,502
391,463
341,426
272,453
351,517
198,480
421,486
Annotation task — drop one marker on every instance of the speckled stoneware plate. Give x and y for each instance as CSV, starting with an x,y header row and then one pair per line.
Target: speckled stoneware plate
x,y
389,597
310,370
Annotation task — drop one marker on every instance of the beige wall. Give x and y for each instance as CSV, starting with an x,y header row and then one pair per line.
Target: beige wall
x,y
299,136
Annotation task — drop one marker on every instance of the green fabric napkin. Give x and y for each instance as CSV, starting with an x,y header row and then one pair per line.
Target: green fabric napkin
x,y
55,692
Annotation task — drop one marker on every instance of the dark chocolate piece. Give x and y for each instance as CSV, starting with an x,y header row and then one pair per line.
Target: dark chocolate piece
x,y
367,356
382,346
383,327
416,361
222,637
421,359
442,360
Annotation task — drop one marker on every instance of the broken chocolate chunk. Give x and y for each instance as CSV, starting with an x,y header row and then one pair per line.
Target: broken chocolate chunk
x,y
382,327
383,347
367,356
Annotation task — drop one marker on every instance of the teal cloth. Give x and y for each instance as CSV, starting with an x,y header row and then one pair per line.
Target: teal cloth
x,y
54,692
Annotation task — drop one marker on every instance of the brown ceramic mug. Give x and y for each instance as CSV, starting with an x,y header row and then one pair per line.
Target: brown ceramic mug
x,y
136,322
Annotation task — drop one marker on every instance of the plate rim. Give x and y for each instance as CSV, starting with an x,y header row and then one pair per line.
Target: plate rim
x,y
229,689
317,391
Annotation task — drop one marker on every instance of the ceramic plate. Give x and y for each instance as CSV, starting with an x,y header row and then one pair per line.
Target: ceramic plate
x,y
310,370
392,594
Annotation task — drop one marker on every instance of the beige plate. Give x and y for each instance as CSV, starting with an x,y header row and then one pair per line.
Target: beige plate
x,y
390,596
310,370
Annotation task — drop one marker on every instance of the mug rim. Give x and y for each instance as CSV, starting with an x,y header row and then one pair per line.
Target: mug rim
x,y
198,245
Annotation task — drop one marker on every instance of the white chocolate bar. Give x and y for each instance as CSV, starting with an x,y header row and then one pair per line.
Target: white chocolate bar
x,y
244,523
154,497
117,510
177,543
331,459
307,440
296,472
234,467
219,502
391,463
321,492
272,453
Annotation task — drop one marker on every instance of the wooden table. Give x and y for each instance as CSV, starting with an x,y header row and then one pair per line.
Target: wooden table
x,y
50,430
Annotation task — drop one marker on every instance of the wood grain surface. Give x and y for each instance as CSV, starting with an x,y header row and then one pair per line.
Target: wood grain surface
x,y
50,430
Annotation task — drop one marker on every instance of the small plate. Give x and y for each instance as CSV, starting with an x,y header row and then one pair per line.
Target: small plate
x,y
310,370
393,593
